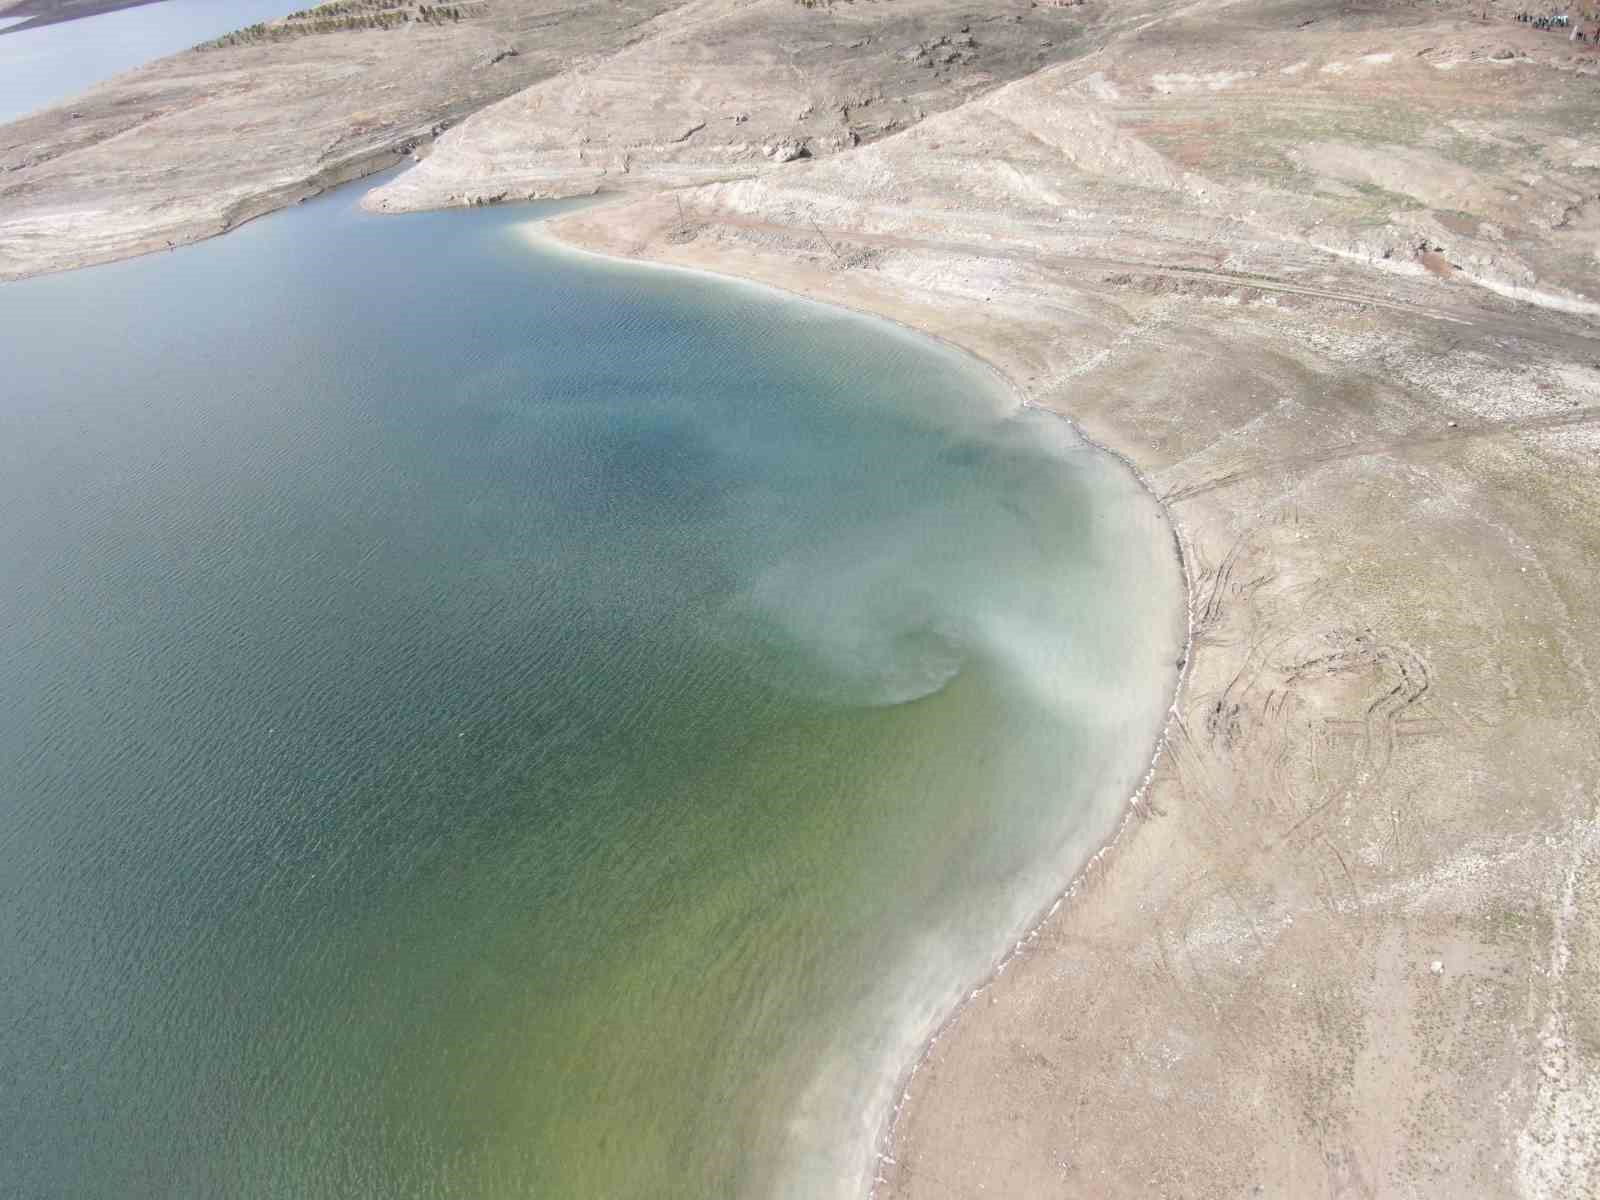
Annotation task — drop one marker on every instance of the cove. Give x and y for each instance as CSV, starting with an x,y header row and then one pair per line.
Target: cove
x,y
483,721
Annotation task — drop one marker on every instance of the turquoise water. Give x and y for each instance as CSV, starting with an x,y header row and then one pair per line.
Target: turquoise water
x,y
40,67
484,722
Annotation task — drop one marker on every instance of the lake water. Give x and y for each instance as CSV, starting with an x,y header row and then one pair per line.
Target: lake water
x,y
43,66
483,722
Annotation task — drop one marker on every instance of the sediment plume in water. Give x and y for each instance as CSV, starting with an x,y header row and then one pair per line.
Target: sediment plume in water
x,y
576,738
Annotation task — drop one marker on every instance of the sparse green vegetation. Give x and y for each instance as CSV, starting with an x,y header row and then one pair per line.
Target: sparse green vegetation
x,y
346,16
1386,199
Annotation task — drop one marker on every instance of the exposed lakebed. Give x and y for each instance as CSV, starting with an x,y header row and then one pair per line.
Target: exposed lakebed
x,y
483,721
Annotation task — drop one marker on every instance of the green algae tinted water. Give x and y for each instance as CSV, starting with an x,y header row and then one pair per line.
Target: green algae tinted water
x,y
483,722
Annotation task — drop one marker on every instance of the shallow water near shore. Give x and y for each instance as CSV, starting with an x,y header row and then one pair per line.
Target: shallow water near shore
x,y
488,722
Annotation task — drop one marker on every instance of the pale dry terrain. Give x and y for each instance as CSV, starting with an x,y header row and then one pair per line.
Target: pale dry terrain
x,y
1329,278
731,90
193,145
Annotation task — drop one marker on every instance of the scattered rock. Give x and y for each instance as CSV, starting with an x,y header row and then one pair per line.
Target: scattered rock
x,y
786,150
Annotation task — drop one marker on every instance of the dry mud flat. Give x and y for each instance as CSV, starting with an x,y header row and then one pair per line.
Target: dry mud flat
x,y
1349,944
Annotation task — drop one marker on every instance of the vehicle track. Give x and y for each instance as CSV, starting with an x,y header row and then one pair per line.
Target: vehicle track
x,y
1577,416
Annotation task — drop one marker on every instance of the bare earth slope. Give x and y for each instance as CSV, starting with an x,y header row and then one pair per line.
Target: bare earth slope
x,y
730,90
1328,279
192,145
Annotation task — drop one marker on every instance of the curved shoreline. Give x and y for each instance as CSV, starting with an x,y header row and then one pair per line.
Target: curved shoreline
x,y
539,232
891,1122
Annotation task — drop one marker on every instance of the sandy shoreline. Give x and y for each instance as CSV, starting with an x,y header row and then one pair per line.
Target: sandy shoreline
x,y
885,1139
543,233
